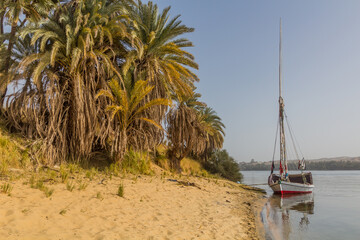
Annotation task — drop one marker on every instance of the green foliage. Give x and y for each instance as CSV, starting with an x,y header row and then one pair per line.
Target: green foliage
x,y
212,131
99,196
48,191
3,168
193,128
90,174
70,186
6,188
221,163
64,174
113,169
52,175
11,152
39,184
192,167
136,162
161,158
73,168
69,54
120,191
128,110
82,186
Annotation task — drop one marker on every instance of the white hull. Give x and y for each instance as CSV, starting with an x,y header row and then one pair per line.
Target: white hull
x,y
291,188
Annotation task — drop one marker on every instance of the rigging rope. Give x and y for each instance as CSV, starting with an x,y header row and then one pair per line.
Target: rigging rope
x,y
291,135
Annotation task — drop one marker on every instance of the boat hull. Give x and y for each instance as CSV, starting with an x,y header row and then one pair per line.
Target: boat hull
x,y
295,183
291,188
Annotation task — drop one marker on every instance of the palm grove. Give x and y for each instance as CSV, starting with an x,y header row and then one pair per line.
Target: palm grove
x,y
97,77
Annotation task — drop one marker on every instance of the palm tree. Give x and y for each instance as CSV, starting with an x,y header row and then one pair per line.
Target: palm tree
x,y
183,129
75,59
213,133
157,54
126,110
193,128
17,13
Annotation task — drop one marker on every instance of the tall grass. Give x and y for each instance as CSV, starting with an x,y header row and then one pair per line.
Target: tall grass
x,y
120,192
11,152
192,167
39,184
136,163
161,158
6,188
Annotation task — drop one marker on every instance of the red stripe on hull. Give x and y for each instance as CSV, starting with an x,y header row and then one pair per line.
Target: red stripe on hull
x,y
292,192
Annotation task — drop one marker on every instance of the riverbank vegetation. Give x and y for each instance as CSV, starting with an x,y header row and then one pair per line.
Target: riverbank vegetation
x,y
103,83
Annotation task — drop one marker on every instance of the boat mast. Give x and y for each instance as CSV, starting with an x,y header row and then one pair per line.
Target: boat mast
x,y
281,117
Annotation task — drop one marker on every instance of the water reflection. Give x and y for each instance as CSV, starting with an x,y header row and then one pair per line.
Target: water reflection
x,y
280,212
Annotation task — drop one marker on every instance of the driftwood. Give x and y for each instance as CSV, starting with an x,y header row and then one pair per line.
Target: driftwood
x,y
185,183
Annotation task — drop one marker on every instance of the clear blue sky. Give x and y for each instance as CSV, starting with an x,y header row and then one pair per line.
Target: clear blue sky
x,y
236,46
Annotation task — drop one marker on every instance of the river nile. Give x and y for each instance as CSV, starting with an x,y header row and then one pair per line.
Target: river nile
x,y
331,212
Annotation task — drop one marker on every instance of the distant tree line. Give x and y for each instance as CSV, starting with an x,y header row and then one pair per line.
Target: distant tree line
x,y
316,165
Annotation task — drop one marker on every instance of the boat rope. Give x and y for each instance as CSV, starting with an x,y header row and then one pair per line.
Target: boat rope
x,y
292,137
257,184
276,135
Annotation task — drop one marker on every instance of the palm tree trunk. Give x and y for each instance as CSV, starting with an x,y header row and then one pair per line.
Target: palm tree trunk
x,y
2,23
174,161
3,89
123,147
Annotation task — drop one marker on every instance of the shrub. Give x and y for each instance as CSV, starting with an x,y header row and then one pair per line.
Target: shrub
x,y
221,163
3,168
39,184
99,196
82,186
161,158
112,170
64,174
48,191
120,192
70,186
11,154
6,188
90,174
191,166
136,162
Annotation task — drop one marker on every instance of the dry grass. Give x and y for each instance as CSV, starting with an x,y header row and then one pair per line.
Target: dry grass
x,y
192,167
136,162
6,188
12,152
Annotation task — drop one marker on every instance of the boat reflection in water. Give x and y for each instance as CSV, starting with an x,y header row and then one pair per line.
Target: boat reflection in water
x,y
282,212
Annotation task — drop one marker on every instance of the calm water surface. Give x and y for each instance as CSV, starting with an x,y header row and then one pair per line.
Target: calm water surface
x,y
331,212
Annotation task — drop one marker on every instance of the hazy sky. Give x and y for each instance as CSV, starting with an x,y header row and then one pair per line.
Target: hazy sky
x,y
236,46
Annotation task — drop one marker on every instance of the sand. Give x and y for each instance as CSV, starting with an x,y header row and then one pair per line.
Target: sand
x,y
153,207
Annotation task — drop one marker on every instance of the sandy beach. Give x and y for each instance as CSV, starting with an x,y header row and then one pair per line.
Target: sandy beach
x,y
152,207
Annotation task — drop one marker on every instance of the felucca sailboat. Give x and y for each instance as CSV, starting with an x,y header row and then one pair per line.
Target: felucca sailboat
x,y
285,183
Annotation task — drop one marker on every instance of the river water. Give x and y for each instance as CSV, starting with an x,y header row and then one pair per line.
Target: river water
x,y
331,212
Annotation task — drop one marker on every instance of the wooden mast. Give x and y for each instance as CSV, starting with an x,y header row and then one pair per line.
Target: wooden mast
x,y
281,116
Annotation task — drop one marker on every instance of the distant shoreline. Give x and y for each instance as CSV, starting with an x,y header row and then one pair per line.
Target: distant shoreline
x,y
326,164
264,170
